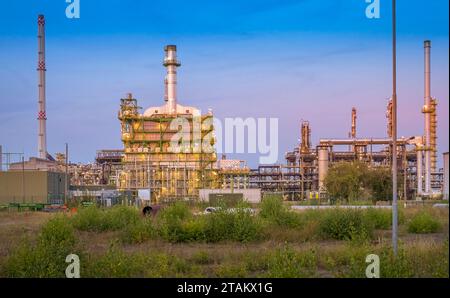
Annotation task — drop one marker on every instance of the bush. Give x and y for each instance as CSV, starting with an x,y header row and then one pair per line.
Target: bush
x,y
344,181
46,257
423,223
345,224
178,211
138,232
176,224
111,219
380,218
170,222
117,263
273,210
285,262
239,226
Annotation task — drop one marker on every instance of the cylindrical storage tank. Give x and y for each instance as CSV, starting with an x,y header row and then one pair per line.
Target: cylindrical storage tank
x,y
323,165
419,171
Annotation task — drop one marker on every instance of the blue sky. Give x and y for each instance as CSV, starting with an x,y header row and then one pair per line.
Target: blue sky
x,y
304,59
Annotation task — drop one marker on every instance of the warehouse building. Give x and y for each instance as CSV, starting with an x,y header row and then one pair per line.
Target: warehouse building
x,y
32,187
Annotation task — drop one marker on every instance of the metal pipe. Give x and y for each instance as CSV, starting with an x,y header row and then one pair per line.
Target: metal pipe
x,y
353,134
361,141
171,63
67,180
42,118
419,172
427,110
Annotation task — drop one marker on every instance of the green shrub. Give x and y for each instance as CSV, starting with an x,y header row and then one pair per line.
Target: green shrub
x,y
110,219
423,223
193,230
239,226
380,218
177,211
347,224
170,222
115,263
201,257
273,210
176,224
231,271
46,257
271,207
285,262
138,232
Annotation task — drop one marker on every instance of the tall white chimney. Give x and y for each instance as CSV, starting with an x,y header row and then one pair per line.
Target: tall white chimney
x,y
427,110
171,63
42,118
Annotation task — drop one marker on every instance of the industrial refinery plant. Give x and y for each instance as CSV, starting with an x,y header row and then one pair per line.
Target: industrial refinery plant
x,y
185,142
147,166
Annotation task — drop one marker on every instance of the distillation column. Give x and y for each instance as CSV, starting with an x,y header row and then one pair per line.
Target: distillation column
x,y
427,110
42,118
171,63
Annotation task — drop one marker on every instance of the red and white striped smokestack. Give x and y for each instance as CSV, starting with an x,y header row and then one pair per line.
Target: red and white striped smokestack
x,y
42,118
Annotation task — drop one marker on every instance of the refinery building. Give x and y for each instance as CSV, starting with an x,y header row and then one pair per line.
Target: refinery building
x,y
149,161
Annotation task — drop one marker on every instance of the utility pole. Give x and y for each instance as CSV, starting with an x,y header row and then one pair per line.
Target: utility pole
x,y
394,131
67,180
23,180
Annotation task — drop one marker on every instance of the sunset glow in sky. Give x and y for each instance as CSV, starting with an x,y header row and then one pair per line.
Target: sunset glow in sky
x,y
304,59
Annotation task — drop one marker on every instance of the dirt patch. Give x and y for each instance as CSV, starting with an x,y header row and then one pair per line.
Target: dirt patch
x,y
14,226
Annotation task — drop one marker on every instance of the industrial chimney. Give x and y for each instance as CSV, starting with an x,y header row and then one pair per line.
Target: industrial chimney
x,y
428,110
171,63
42,118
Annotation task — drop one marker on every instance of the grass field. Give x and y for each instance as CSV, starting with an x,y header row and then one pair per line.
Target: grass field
x,y
277,242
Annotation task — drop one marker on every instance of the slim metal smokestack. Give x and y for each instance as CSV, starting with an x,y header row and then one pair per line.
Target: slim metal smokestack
x,y
353,134
171,63
427,110
42,118
305,145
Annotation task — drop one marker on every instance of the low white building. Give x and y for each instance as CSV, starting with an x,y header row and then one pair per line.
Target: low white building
x,y
251,195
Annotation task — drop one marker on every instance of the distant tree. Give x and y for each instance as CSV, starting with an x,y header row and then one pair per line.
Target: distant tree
x,y
378,181
345,181
349,181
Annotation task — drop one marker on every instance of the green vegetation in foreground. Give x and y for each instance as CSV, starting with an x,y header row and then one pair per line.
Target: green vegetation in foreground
x,y
352,232
423,223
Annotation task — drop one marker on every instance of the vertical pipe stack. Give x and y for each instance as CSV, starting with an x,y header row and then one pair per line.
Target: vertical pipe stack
x,y
419,150
389,117
353,134
171,63
42,118
305,138
427,110
323,166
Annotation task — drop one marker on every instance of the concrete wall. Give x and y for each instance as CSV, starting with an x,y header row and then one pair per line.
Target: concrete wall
x,y
252,195
31,186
